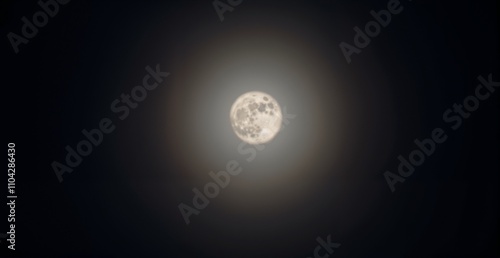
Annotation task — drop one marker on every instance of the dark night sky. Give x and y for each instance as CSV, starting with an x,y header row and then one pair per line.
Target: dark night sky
x,y
353,120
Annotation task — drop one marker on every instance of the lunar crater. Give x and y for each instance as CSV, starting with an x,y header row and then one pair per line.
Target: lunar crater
x,y
256,117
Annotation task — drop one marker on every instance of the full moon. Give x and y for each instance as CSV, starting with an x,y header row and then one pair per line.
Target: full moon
x,y
256,117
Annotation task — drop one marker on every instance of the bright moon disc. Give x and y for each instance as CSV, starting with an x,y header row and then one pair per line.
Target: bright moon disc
x,y
256,117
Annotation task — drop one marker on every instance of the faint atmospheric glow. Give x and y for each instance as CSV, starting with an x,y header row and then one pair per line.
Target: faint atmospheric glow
x,y
256,117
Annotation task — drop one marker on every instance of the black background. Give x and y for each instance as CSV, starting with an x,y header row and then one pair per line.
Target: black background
x,y
63,80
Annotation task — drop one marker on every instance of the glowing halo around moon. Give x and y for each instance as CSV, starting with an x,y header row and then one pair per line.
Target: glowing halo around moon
x,y
256,117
